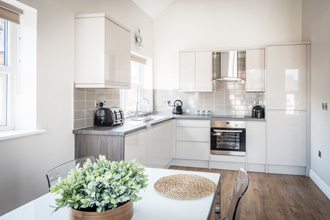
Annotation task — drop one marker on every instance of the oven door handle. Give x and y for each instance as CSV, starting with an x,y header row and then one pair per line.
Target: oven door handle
x,y
228,131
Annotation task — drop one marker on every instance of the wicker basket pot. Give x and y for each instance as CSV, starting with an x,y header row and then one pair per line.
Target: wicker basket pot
x,y
123,212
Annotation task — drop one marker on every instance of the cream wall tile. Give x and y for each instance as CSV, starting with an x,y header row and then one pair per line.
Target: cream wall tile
x,y
79,123
79,114
90,95
79,105
90,113
89,122
90,104
78,96
99,96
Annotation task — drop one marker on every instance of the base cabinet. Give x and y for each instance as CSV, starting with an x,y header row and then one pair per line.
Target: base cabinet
x,y
256,142
153,147
95,145
286,138
160,144
136,147
192,150
193,139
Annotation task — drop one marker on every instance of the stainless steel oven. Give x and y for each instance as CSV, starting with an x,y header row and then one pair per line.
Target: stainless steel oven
x,y
228,137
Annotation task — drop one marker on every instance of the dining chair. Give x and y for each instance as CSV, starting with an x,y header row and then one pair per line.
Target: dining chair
x,y
240,187
64,169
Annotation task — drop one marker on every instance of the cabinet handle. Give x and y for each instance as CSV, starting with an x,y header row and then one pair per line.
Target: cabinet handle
x,y
228,131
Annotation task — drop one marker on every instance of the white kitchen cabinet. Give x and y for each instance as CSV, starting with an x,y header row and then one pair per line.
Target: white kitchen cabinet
x,y
255,70
287,108
192,139
286,77
135,147
160,144
192,134
187,71
102,52
203,71
195,72
256,142
192,150
286,138
153,147
168,142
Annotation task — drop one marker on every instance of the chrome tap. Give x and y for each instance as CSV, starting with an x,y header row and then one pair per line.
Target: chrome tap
x,y
139,102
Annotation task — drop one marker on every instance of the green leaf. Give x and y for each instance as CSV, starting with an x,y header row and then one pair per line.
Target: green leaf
x,y
101,184
99,209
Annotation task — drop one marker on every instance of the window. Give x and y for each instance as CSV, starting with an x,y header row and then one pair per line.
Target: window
x,y
3,72
129,97
7,73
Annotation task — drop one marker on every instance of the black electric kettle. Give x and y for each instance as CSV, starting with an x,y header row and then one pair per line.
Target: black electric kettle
x,y
177,107
258,111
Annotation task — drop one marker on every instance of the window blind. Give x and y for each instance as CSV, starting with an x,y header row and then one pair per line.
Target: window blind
x,y
138,59
10,12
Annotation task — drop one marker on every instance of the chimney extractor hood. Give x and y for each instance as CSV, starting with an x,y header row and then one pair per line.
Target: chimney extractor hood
x,y
229,66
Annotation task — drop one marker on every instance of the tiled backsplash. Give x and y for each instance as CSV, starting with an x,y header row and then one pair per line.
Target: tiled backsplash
x,y
84,104
228,98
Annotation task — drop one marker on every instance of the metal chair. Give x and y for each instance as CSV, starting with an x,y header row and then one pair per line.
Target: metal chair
x,y
240,187
64,169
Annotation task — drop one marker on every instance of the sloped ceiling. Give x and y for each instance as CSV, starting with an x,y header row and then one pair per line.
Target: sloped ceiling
x,y
153,7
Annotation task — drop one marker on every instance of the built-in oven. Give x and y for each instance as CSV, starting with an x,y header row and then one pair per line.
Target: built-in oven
x,y
228,138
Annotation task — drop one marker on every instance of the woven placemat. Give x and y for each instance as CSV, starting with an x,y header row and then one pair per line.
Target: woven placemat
x,y
184,186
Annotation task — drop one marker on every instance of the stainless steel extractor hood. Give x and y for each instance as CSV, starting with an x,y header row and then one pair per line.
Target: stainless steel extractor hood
x,y
229,70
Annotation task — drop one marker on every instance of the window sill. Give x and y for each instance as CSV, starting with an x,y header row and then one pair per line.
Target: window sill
x,y
5,135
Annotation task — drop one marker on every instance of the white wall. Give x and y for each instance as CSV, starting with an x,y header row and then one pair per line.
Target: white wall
x,y
316,29
24,161
213,24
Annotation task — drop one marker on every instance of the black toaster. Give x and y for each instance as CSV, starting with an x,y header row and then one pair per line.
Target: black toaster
x,y
108,117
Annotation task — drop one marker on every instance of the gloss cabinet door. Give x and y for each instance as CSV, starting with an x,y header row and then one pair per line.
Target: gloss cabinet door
x,y
187,71
256,142
255,70
203,71
286,67
286,138
102,52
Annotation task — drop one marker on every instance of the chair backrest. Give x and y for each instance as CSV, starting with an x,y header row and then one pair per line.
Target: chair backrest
x,y
240,187
64,169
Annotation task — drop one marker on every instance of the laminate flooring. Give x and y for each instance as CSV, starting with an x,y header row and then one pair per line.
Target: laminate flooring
x,y
273,196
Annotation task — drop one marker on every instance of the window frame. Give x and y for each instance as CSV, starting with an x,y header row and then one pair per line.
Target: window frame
x,y
9,69
138,86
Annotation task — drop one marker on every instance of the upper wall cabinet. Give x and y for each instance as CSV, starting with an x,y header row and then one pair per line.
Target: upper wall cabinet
x,y
255,70
102,52
195,71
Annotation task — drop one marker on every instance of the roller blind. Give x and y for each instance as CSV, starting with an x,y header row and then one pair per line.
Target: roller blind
x,y
10,12
138,59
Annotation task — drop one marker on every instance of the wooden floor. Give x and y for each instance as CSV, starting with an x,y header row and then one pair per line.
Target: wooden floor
x,y
273,196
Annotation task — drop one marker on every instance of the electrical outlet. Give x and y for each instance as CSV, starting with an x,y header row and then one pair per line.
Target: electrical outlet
x,y
97,104
325,106
320,154
167,101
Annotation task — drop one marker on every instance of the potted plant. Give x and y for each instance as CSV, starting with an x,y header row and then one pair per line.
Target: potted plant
x,y
102,188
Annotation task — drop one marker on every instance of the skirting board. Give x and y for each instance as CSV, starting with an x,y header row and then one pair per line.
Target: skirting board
x,y
190,163
281,169
319,182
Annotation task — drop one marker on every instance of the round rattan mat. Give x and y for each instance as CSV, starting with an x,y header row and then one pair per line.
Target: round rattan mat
x,y
184,186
